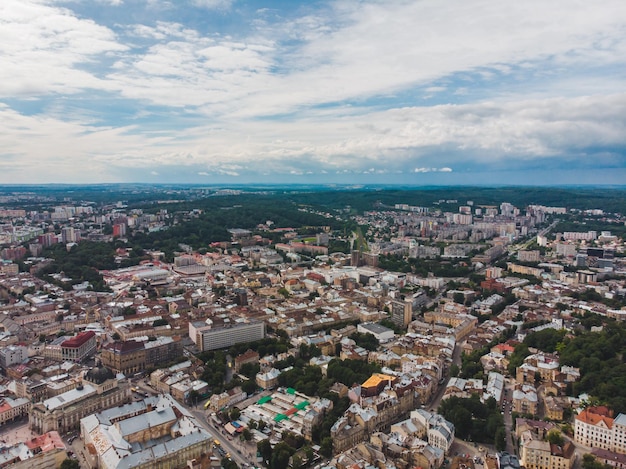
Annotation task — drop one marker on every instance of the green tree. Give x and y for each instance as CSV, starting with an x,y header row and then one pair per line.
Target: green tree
x,y
228,463
326,448
235,413
280,456
590,462
265,449
555,437
70,464
500,439
249,386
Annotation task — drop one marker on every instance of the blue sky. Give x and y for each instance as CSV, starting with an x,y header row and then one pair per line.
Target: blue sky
x,y
231,92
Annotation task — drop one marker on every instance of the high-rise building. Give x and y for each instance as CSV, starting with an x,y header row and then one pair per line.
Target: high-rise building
x,y
402,312
70,235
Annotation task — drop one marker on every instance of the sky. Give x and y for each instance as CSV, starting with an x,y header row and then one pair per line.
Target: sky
x,y
284,91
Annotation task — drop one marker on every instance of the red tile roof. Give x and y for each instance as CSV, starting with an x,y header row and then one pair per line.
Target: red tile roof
x,y
79,339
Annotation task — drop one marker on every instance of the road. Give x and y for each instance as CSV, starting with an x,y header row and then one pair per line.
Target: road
x,y
456,360
524,245
508,417
241,453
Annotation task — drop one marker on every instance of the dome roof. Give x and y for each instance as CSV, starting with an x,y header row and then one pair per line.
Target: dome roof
x,y
99,375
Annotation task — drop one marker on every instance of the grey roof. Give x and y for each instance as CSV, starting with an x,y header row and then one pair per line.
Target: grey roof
x,y
375,328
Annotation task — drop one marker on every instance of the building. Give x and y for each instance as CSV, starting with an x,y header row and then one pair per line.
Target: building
x,y
154,433
12,409
70,235
79,347
382,333
439,431
213,338
126,357
133,356
99,390
528,256
268,379
595,427
226,399
12,355
525,400
250,356
45,451
401,313
536,453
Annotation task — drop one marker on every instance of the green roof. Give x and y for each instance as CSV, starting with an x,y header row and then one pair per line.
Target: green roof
x,y
291,391
280,417
265,399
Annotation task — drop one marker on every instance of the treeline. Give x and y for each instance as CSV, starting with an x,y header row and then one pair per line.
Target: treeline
x,y
223,213
601,357
611,200
80,264
423,267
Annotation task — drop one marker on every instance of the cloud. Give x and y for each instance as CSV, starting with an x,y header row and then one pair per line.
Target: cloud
x,y
432,170
43,49
317,88
213,4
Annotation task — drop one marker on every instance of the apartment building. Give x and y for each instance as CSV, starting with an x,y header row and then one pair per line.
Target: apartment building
x,y
595,427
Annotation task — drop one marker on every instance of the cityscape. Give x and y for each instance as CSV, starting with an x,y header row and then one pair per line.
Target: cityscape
x,y
312,234
205,327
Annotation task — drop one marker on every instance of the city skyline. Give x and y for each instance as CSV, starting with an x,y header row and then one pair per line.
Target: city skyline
x,y
355,92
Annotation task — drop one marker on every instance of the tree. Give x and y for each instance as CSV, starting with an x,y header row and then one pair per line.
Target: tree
x,y
228,463
249,386
280,456
265,449
555,437
70,464
500,439
247,435
116,336
590,462
296,462
326,448
235,413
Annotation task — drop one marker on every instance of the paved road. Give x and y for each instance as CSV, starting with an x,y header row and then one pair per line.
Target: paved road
x,y
456,360
508,418
239,452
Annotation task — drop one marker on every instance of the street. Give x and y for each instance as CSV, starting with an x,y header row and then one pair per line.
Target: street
x,y
241,453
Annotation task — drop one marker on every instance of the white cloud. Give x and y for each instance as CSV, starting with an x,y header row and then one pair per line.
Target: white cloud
x,y
211,88
432,170
42,49
388,141
213,4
